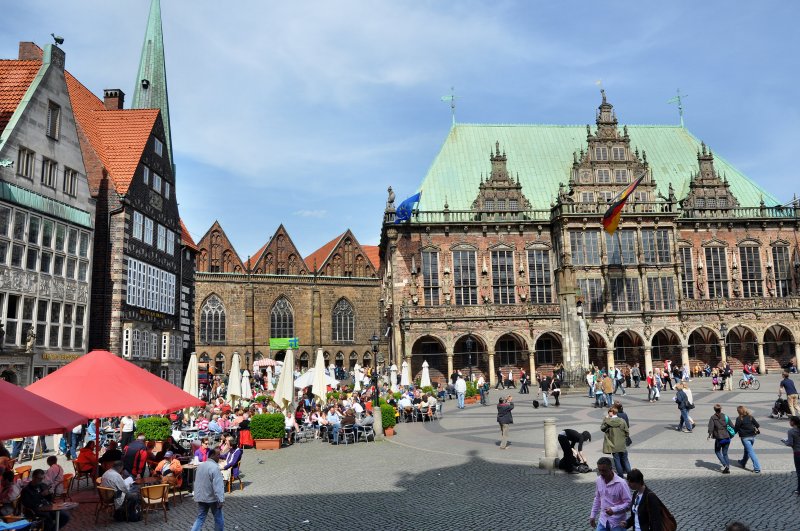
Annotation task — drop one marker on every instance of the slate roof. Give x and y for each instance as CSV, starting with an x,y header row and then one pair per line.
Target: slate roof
x,y
15,78
542,156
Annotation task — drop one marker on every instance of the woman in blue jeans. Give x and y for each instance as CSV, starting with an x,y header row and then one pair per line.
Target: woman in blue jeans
x,y
747,428
718,426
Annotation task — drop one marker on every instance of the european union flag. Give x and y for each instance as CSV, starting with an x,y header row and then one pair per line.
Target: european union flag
x,y
403,212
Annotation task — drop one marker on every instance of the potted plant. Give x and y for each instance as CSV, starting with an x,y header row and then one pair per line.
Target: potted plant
x,y
471,396
261,399
388,419
267,430
156,429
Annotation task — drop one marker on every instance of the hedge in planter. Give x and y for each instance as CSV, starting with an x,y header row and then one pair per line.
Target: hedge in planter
x,y
267,426
388,418
154,428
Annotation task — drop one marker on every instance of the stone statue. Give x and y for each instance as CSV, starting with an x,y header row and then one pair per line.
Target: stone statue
x,y
701,280
486,288
770,280
446,286
522,286
390,200
30,341
736,282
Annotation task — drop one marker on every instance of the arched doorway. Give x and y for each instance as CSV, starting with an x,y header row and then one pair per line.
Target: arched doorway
x,y
511,352
666,346
479,357
219,364
303,361
367,359
741,346
778,346
548,352
9,376
704,346
430,349
340,359
628,349
597,349
351,364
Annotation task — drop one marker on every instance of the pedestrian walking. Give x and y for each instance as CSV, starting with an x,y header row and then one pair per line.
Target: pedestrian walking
x,y
612,498
590,383
523,382
555,388
614,441
608,388
690,396
747,427
648,512
481,389
544,389
500,382
636,374
461,390
504,418
792,440
787,386
721,430
619,379
682,400
209,492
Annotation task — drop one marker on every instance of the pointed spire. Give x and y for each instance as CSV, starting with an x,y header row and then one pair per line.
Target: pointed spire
x,y
150,90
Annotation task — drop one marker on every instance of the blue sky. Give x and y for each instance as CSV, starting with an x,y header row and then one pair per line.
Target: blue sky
x,y
304,112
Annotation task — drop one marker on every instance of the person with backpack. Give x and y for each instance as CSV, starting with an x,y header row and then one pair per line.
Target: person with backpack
x,y
648,512
615,441
721,430
747,427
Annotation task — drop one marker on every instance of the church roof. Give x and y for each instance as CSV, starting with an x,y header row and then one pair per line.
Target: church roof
x,y
315,260
15,78
186,238
542,156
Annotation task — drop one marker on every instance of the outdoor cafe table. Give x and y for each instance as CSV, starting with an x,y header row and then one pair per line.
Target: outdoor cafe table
x,y
58,507
189,469
152,480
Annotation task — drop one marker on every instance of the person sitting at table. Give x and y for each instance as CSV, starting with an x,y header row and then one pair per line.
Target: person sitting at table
x,y
349,418
358,408
36,497
334,424
367,422
110,455
229,462
202,453
9,491
170,470
201,424
213,426
124,495
54,476
291,426
170,445
405,406
134,457
87,461
225,447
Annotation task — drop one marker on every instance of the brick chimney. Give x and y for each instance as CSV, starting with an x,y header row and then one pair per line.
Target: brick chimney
x,y
28,51
113,99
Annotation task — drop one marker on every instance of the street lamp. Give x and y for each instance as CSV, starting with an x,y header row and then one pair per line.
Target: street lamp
x,y
377,414
470,343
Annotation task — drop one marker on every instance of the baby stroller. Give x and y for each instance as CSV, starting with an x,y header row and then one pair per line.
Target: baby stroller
x,y
780,409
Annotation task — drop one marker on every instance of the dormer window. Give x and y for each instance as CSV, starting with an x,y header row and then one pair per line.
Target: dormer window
x,y
711,202
156,182
501,204
604,176
601,153
158,146
620,176
722,202
53,120
618,153
513,204
489,204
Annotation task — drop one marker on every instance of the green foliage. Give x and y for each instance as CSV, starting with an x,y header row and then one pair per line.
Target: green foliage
x,y
333,394
398,395
472,389
154,428
267,426
429,390
262,398
388,418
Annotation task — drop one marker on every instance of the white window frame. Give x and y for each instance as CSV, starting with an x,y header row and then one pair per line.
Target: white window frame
x,y
138,222
170,243
161,242
158,147
146,175
148,231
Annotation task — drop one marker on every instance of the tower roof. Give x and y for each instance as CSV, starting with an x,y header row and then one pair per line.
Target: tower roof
x,y
150,89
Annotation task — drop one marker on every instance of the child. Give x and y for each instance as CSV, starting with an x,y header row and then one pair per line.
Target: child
x,y
54,476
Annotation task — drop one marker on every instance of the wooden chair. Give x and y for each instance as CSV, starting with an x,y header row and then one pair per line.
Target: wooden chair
x,y
105,503
67,485
22,472
153,497
79,475
229,483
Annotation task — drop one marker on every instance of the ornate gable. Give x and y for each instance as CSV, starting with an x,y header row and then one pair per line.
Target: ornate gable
x,y
279,256
216,253
608,165
500,193
707,191
347,259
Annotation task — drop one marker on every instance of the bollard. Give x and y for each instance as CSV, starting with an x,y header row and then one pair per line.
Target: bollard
x,y
550,445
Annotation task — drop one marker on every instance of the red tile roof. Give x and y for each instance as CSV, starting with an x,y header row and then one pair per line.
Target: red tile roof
x,y
315,260
186,238
373,254
15,78
254,258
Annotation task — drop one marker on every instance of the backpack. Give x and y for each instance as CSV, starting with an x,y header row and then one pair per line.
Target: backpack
x,y
731,429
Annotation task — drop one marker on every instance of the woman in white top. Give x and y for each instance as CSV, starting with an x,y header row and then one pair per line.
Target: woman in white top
x,y
126,426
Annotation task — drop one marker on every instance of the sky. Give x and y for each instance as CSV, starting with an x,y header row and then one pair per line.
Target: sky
x,y
304,112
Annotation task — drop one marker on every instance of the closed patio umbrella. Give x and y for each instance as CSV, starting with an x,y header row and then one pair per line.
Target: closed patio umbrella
x,y
393,377
190,384
284,391
247,392
234,380
425,381
358,375
270,387
319,386
405,376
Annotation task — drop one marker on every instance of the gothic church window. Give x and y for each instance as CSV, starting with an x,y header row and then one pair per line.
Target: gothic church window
x,y
503,277
687,281
430,277
783,275
344,321
751,271
717,267
212,321
539,276
281,319
465,278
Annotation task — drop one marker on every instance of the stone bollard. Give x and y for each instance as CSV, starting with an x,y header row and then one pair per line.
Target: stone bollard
x,y
550,445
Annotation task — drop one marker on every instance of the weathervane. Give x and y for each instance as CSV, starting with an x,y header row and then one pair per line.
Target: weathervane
x,y
679,100
452,99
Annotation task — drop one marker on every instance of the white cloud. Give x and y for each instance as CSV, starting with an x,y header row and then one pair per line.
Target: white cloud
x,y
311,213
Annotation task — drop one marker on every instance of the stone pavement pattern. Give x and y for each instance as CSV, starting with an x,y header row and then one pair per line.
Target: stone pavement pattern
x,y
451,474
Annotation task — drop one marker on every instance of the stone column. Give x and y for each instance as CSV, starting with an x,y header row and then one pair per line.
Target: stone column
x,y
722,354
762,367
532,360
796,352
609,358
550,445
492,372
648,362
685,356
449,362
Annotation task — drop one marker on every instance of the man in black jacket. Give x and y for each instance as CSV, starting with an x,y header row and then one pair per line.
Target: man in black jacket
x,y
504,418
646,508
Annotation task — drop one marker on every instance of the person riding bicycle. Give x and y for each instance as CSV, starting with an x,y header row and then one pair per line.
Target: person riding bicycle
x,y
749,372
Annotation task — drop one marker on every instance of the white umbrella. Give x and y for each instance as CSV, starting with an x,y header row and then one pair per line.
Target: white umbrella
x,y
234,380
270,387
284,391
308,378
247,392
358,376
393,377
405,377
190,380
425,381
319,386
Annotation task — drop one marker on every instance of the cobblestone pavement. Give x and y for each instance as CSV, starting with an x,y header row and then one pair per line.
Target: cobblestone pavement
x,y
450,474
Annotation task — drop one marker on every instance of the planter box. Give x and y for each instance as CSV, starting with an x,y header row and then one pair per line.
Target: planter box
x,y
268,444
388,432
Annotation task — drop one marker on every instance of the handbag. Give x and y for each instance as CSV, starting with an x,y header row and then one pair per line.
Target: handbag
x,y
731,429
628,440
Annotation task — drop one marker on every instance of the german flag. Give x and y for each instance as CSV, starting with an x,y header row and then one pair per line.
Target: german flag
x,y
612,215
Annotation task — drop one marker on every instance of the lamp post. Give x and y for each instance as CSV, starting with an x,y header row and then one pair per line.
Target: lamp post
x,y
377,414
470,344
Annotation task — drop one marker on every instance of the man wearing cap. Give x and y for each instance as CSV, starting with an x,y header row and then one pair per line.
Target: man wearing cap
x,y
170,470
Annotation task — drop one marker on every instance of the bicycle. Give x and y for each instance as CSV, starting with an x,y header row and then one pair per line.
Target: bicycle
x,y
751,383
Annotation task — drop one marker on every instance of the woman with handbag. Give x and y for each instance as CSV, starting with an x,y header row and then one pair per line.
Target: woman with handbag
x,y
747,427
721,430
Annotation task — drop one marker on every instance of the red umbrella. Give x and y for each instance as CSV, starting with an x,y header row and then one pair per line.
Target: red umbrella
x,y
24,414
101,384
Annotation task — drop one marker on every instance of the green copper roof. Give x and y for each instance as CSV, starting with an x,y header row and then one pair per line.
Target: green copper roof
x,y
27,198
542,157
152,68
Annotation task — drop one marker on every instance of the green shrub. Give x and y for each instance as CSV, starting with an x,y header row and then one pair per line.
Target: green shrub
x,y
154,428
388,416
261,398
333,394
398,395
429,390
472,389
267,426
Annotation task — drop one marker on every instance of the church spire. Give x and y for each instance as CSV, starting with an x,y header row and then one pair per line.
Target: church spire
x,y
150,90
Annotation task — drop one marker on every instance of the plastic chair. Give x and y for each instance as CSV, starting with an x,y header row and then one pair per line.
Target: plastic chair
x,y
22,472
229,483
153,497
105,503
67,486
